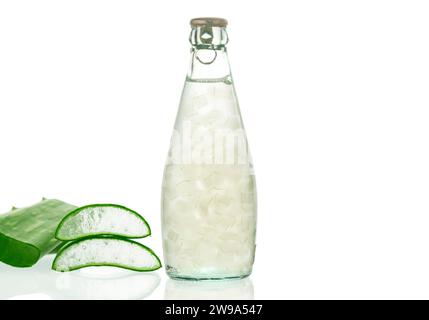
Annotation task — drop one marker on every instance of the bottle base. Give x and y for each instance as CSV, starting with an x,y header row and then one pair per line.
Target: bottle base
x,y
206,278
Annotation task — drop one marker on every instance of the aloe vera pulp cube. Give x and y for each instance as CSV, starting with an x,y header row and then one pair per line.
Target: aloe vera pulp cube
x,y
102,219
106,251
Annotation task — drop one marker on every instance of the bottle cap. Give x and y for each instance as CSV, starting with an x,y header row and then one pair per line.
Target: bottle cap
x,y
206,21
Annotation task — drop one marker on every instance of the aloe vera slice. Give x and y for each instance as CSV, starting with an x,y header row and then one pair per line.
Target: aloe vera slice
x,y
102,219
106,251
26,234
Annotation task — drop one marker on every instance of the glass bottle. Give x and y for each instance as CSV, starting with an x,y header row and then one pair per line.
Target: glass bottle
x,y
209,192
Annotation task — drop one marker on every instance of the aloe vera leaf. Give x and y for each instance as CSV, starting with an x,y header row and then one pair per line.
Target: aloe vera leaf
x,y
102,219
106,251
27,234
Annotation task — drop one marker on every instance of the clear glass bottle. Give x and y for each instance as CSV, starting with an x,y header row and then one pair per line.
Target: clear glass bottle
x,y
209,192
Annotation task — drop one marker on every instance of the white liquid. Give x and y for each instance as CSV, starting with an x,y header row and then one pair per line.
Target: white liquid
x,y
209,204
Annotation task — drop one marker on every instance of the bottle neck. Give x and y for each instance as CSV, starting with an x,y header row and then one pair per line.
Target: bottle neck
x,y
209,64
209,59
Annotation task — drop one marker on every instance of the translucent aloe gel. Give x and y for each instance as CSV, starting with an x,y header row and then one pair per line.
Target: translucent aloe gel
x,y
209,192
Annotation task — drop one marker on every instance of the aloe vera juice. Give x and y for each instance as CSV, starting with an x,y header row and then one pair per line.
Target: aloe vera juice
x,y
209,220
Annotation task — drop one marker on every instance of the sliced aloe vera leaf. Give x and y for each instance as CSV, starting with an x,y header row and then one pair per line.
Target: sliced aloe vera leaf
x,y
26,234
102,219
106,251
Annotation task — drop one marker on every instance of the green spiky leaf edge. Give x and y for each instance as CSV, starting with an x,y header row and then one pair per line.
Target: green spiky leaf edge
x,y
76,211
107,264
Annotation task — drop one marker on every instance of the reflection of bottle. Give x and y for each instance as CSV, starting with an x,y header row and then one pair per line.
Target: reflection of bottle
x,y
209,193
210,290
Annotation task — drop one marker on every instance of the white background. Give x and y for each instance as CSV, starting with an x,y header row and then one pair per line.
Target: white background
x,y
334,96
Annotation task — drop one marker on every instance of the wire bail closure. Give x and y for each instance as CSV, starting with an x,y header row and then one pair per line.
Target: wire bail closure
x,y
206,62
206,38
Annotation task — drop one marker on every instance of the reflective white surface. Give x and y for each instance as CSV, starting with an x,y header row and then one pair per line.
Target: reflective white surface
x,y
40,282
104,283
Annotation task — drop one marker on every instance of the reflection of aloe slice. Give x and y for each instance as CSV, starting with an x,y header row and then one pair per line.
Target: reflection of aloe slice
x,y
102,219
106,251
136,286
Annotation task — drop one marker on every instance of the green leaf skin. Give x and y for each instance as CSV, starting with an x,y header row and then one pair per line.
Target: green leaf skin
x,y
27,234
